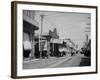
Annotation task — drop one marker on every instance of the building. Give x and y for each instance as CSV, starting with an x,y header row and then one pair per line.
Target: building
x,y
42,45
54,34
70,46
29,28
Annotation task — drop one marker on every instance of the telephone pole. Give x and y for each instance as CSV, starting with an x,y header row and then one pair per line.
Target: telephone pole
x,y
88,30
40,40
42,18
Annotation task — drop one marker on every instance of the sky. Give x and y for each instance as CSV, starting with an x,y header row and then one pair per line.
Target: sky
x,y
68,24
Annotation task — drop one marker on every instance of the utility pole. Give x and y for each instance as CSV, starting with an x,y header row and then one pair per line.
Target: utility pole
x,y
88,27
40,40
88,30
42,17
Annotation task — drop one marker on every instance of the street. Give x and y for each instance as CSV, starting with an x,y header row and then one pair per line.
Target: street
x,y
53,62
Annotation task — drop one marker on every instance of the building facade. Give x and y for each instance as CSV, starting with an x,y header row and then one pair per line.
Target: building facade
x,y
29,28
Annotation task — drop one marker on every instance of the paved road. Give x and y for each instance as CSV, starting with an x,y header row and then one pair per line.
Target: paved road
x,y
77,60
74,61
52,62
44,63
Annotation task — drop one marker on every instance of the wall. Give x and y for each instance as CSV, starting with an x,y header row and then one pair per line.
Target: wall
x,y
5,41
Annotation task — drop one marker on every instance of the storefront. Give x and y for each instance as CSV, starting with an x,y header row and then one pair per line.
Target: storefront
x,y
28,35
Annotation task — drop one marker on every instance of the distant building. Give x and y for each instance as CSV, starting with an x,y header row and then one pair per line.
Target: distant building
x,y
29,27
54,34
66,45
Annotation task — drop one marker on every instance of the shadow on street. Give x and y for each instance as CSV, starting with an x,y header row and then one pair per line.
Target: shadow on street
x,y
85,61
